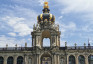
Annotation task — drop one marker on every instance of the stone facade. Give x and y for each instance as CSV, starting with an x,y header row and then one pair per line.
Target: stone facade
x,y
37,54
57,55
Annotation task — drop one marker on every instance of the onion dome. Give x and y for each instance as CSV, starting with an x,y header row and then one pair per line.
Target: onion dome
x,y
46,16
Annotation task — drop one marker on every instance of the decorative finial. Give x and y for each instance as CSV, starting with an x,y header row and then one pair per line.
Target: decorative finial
x,y
65,44
34,27
16,45
46,5
26,44
88,42
46,8
6,45
75,44
84,44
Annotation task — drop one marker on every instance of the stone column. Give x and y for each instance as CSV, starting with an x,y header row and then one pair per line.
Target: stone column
x,y
86,59
15,60
36,59
5,59
39,59
55,59
67,59
58,60
25,59
76,58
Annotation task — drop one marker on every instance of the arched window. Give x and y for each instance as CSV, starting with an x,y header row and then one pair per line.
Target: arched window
x,y
20,60
90,59
10,60
81,59
71,59
1,60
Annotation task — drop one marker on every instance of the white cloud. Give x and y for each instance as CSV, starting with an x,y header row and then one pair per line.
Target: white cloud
x,y
42,2
30,2
18,25
10,41
67,29
19,19
70,26
12,34
60,17
77,5
83,11
24,13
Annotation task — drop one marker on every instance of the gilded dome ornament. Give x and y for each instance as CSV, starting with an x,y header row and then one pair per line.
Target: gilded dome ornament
x,y
46,15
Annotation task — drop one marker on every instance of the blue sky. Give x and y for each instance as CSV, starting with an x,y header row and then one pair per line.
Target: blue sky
x,y
17,18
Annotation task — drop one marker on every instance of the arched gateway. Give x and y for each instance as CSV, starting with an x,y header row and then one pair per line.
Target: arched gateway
x,y
46,28
46,59
54,54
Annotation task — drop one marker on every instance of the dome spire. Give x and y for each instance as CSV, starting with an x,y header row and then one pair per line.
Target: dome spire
x,y
46,5
46,18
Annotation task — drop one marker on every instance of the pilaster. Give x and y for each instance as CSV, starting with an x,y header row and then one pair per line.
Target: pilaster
x,y
86,59
55,59
76,59
5,59
67,59
15,60
25,59
58,60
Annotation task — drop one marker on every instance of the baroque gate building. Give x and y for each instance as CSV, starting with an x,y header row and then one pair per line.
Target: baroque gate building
x,y
37,54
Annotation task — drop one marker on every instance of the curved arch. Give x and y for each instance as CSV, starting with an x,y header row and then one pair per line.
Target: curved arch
x,y
45,36
20,60
46,59
81,59
44,53
1,60
71,59
90,59
10,60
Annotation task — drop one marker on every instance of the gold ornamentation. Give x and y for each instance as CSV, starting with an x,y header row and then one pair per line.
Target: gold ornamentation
x,y
50,17
41,16
54,18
